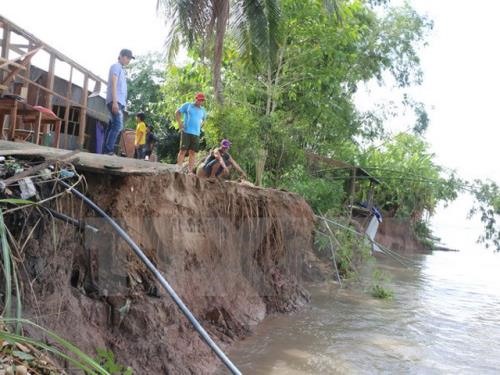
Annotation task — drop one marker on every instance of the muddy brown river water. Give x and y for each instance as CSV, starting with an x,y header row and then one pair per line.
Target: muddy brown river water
x,y
444,319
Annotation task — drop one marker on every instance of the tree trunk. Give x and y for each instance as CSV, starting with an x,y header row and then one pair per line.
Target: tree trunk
x,y
269,89
221,9
260,163
278,71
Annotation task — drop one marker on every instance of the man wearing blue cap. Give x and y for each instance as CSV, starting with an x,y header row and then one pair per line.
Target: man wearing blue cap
x,y
219,162
116,99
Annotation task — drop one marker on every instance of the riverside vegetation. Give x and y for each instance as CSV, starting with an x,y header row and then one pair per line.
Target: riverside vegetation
x,y
283,78
279,101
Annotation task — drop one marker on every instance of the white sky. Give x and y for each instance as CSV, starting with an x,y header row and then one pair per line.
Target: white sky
x,y
461,66
461,79
91,32
461,83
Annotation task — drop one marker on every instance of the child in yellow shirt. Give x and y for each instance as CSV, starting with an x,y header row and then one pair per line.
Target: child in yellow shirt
x,y
140,136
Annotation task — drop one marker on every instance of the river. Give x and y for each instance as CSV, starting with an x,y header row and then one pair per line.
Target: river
x,y
444,318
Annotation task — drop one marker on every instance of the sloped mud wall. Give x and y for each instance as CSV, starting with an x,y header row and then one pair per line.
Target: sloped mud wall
x,y
232,252
397,235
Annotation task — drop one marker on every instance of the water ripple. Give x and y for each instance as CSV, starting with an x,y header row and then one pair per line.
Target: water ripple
x,y
444,319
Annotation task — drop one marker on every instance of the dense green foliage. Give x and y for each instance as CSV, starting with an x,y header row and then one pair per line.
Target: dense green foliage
x,y
412,183
346,248
146,75
322,194
202,26
293,95
487,195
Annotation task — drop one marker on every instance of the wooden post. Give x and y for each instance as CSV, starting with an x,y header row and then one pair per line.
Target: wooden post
x,y
5,45
27,72
58,134
50,82
13,120
83,111
38,125
370,196
2,119
67,109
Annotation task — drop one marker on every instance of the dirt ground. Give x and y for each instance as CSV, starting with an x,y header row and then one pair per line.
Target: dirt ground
x,y
234,253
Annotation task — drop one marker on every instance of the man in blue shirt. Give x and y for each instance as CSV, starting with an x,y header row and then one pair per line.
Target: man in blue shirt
x,y
194,115
116,99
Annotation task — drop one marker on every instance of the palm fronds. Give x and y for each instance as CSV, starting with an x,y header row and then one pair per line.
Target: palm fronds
x,y
258,31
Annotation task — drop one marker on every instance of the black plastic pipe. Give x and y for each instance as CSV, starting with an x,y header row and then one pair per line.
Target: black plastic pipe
x,y
67,219
137,250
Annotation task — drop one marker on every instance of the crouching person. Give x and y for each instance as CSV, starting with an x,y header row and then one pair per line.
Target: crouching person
x,y
218,163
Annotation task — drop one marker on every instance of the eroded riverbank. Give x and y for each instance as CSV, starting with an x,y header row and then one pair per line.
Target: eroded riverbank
x,y
233,252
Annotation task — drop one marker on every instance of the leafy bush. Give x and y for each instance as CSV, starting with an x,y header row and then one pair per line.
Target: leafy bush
x,y
353,252
379,289
350,250
424,234
487,205
412,181
321,194
107,360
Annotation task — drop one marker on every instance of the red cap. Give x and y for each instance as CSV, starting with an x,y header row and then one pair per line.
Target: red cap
x,y
200,96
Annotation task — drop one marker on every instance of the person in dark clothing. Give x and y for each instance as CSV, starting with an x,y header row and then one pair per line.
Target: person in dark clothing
x,y
219,162
151,140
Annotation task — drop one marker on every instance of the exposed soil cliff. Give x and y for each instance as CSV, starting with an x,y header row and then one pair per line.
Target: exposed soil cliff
x,y
397,235
232,252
